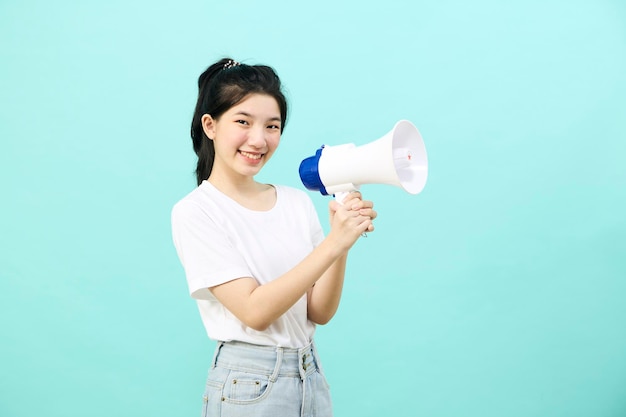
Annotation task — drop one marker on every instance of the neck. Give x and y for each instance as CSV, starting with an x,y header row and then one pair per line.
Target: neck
x,y
250,194
240,183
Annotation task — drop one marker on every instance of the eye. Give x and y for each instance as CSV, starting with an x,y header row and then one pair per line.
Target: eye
x,y
274,127
241,122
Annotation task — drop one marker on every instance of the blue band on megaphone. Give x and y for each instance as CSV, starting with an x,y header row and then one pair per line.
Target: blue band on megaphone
x,y
309,173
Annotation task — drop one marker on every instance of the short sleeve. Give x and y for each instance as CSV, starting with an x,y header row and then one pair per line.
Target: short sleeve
x,y
204,249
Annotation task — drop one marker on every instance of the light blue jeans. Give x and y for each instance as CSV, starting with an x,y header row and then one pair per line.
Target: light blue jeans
x,y
259,381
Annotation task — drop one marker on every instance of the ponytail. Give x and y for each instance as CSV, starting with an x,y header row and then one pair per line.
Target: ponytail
x,y
202,145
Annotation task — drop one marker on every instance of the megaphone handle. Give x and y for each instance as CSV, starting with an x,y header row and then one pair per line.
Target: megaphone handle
x,y
339,197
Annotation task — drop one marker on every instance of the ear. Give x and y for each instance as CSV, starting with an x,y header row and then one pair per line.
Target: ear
x,y
208,126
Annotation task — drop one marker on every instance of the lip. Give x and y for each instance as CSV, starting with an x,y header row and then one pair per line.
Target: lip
x,y
251,157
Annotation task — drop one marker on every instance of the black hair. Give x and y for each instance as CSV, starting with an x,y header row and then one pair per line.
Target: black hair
x,y
222,86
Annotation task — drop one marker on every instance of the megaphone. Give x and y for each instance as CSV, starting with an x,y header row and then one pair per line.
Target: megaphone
x,y
398,158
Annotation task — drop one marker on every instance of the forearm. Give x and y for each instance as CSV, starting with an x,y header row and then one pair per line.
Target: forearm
x,y
324,297
266,303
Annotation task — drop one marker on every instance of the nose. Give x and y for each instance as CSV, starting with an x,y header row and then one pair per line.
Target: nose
x,y
256,138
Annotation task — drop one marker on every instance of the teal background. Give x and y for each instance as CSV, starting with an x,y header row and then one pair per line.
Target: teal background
x,y
498,291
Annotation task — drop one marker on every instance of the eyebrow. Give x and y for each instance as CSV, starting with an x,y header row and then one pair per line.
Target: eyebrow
x,y
273,119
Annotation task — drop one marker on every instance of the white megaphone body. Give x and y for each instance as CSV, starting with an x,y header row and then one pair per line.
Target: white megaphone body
x,y
398,158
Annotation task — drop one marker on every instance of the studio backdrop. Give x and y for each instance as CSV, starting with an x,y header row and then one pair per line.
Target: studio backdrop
x,y
498,290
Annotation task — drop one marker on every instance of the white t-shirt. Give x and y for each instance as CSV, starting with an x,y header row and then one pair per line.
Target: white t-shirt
x,y
218,240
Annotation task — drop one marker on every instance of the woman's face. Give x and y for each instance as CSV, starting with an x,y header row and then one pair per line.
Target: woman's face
x,y
245,136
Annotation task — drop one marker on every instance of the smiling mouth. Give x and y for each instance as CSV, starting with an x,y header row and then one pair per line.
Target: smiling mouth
x,y
251,155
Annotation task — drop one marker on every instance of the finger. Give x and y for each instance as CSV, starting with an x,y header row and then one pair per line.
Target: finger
x,y
361,204
350,196
372,214
366,226
333,205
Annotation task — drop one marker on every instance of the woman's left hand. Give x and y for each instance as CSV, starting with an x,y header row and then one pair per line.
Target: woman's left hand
x,y
354,201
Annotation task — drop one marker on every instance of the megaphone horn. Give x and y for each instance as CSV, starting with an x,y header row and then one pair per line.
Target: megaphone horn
x,y
398,158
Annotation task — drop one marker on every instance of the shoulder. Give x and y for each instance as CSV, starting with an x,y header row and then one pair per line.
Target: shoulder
x,y
199,203
295,201
187,203
292,193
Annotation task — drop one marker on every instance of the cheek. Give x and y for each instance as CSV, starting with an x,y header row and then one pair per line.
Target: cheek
x,y
273,143
231,138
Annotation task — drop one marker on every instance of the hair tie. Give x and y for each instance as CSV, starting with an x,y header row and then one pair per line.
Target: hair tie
x,y
231,63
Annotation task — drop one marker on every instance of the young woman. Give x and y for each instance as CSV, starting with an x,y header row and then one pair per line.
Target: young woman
x,y
254,254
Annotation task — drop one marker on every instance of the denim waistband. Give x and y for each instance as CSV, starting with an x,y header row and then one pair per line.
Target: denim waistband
x,y
274,361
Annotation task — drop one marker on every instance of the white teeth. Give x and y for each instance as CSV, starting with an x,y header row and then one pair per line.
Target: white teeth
x,y
250,155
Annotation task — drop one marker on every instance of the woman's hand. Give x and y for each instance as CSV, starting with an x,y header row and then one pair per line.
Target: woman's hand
x,y
351,219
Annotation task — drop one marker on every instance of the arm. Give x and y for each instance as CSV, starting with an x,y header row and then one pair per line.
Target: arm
x,y
324,297
258,306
